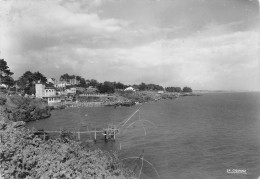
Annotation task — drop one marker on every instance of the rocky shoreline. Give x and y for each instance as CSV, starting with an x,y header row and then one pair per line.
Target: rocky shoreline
x,y
126,99
133,98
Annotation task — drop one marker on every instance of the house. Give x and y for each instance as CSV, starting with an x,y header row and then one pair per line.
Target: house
x,y
129,89
47,93
71,90
61,84
91,90
51,80
81,89
74,81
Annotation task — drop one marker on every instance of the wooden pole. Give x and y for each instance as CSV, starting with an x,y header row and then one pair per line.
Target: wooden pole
x,y
114,134
95,135
78,134
44,134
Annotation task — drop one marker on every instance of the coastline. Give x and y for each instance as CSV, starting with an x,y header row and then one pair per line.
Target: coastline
x,y
128,99
25,154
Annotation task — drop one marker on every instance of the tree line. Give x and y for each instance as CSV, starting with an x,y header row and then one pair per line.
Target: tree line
x,y
27,82
178,89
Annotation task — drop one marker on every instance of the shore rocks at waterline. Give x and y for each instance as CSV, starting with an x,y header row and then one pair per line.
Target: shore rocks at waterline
x,y
121,103
18,124
25,109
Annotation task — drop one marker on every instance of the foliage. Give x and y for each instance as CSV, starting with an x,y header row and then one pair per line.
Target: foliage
x,y
25,155
28,79
92,82
187,90
106,87
2,100
119,85
5,74
20,108
66,77
81,82
139,96
173,89
150,87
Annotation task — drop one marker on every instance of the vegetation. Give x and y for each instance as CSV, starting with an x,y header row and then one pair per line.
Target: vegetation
x,y
25,155
173,89
187,90
20,108
27,81
5,74
81,81
150,87
139,96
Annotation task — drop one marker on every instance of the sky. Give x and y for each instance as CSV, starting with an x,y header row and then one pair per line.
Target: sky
x,y
203,44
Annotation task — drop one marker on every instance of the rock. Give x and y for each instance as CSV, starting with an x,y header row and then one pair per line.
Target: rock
x,y
45,115
18,124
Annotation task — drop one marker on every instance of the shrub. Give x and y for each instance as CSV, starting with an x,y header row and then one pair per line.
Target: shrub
x,y
2,100
25,155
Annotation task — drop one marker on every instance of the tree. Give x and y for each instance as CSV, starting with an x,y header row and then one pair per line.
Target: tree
x,y
106,87
120,85
37,76
93,83
5,74
178,89
9,81
82,81
187,89
173,89
65,77
142,87
28,79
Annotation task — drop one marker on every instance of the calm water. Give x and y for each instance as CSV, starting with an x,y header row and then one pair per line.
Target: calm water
x,y
193,137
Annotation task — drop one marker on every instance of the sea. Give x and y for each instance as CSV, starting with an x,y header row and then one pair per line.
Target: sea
x,y
213,136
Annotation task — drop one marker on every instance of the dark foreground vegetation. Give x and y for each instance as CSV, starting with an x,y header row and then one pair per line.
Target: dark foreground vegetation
x,y
26,155
20,108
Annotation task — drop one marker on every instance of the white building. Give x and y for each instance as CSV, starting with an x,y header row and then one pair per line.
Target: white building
x,y
48,93
160,92
51,80
129,89
71,90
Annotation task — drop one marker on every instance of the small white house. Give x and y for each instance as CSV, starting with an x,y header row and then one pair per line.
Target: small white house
x,y
71,90
48,93
160,92
52,99
129,89
51,80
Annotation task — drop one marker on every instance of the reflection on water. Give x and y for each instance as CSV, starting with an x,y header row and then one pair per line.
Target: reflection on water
x,y
194,137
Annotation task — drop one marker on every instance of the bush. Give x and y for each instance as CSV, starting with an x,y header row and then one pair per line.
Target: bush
x,y
25,155
2,100
26,109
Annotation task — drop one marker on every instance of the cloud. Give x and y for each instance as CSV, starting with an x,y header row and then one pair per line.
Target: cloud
x,y
55,38
43,24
